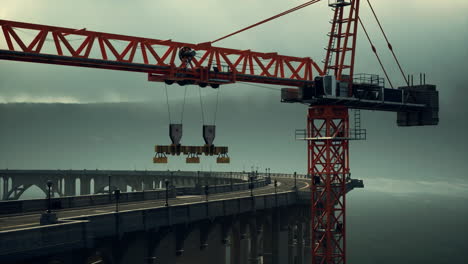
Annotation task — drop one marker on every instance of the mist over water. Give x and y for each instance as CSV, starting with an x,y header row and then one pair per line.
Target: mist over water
x,y
417,228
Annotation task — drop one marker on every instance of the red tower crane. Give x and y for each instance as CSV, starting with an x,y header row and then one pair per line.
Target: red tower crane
x,y
329,93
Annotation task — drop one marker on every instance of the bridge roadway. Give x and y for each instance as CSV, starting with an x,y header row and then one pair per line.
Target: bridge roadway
x,y
26,220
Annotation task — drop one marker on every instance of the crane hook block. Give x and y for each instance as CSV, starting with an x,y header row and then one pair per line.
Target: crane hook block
x,y
209,133
175,133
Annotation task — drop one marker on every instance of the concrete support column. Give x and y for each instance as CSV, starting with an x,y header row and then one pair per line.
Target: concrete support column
x,y
70,186
216,250
291,245
281,238
235,244
244,243
5,188
254,247
268,242
181,234
153,241
56,186
166,251
244,250
85,185
132,249
148,184
307,242
299,244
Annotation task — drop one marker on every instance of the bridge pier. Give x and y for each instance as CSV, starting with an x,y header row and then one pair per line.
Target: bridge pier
x,y
5,188
70,187
244,241
85,184
307,242
291,244
235,243
166,249
132,249
299,244
268,241
282,242
254,250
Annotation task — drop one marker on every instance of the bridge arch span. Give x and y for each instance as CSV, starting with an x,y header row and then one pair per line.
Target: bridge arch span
x,y
16,192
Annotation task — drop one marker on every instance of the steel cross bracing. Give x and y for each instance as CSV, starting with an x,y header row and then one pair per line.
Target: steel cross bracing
x,y
328,164
341,49
159,58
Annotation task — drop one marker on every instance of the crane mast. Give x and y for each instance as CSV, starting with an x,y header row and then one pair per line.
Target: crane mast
x,y
328,141
328,92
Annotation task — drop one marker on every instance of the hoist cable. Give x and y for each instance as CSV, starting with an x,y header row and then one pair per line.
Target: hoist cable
x,y
388,43
167,102
216,108
201,106
268,19
183,106
375,52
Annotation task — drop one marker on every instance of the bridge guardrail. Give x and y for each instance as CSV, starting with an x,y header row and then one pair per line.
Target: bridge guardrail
x,y
22,206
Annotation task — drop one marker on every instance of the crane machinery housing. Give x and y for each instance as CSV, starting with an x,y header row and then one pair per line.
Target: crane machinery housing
x,y
328,92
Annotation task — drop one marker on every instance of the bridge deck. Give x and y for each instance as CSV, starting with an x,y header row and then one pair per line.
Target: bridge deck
x,y
12,222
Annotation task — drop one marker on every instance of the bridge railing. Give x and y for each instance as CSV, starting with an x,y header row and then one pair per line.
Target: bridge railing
x,y
34,205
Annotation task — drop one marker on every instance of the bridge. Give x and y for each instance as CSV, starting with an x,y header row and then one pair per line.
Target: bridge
x,y
84,182
232,224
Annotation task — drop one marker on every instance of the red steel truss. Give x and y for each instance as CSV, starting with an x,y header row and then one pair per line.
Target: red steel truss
x,y
159,58
341,49
328,164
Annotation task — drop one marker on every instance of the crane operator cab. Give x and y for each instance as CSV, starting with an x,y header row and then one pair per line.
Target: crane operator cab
x,y
416,104
339,3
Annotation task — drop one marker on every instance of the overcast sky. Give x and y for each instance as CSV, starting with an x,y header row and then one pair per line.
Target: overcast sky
x,y
428,36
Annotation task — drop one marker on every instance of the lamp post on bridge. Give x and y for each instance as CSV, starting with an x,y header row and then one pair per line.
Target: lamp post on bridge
x,y
117,198
109,182
49,205
167,192
230,174
251,185
295,181
48,217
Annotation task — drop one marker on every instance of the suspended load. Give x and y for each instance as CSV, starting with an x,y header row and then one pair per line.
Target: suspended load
x,y
192,152
175,133
209,133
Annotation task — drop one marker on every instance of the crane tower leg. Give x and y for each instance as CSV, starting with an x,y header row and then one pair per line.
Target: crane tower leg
x,y
328,165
